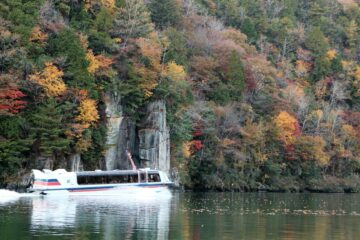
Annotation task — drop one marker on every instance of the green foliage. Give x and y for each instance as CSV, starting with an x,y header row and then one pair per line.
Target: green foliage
x,y
67,45
249,29
80,18
14,144
233,84
164,13
178,97
228,11
336,66
177,50
99,35
236,76
91,157
23,14
132,96
12,156
317,42
220,94
321,69
48,130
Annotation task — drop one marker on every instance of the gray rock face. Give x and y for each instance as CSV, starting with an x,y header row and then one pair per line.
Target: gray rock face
x,y
114,119
75,164
127,141
150,143
43,162
154,145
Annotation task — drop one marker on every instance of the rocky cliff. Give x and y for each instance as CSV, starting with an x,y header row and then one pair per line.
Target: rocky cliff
x,y
148,142
154,146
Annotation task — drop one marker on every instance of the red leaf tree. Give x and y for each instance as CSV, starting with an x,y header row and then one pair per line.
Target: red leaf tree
x,y
10,96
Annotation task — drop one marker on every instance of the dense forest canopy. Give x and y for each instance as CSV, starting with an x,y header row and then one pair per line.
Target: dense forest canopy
x,y
260,94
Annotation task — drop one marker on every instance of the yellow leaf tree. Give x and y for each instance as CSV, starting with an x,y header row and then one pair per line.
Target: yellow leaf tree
x,y
50,79
98,62
88,113
175,72
288,127
331,54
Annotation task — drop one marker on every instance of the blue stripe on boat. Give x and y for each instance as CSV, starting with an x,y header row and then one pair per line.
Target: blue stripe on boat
x,y
46,180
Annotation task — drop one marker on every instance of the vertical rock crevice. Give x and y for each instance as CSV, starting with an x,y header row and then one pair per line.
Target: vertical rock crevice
x,y
150,142
154,138
114,119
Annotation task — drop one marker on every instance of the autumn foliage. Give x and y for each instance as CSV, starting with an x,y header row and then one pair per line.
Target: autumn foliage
x,y
88,113
98,62
11,97
10,101
174,71
288,127
50,79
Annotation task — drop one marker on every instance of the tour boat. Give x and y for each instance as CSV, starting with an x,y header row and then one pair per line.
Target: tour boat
x,y
114,182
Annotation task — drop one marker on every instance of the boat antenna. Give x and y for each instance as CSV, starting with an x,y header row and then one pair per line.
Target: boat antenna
x,y
131,160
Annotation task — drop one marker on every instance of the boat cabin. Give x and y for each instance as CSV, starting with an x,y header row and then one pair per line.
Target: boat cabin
x,y
118,177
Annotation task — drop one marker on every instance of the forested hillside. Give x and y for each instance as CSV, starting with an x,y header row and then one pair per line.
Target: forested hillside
x,y
260,94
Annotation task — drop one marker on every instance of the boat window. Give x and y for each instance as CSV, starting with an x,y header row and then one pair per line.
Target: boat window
x,y
133,179
117,179
142,177
153,177
109,179
91,180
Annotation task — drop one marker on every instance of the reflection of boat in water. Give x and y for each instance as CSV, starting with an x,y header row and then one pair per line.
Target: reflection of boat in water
x,y
98,217
115,182
53,213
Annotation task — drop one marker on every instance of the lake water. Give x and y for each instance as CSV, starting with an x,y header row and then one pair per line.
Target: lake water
x,y
183,216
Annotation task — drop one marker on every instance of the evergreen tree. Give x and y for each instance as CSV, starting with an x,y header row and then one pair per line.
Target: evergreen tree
x,y
321,68
249,29
177,50
130,92
14,144
99,35
48,129
352,35
317,42
236,75
164,13
67,44
229,12
316,12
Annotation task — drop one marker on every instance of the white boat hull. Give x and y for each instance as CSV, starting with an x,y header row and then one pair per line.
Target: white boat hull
x,y
101,191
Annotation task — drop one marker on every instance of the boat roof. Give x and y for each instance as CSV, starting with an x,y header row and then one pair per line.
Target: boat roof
x,y
115,172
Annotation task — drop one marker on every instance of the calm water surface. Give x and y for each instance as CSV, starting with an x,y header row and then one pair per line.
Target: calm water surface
x,y
184,216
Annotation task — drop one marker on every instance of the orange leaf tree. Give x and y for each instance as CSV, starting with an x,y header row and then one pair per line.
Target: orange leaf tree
x,y
51,80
